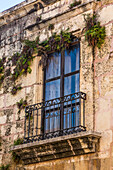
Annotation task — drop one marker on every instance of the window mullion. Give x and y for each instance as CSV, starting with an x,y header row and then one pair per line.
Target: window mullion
x,y
62,92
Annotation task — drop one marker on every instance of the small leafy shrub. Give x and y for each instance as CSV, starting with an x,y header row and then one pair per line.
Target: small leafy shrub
x,y
18,141
23,63
75,3
4,167
95,34
21,104
15,89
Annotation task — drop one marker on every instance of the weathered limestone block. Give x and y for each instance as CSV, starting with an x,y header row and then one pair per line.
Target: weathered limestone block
x,y
38,91
103,115
104,142
29,79
102,14
13,99
105,164
109,29
19,126
104,67
30,95
106,84
3,119
19,115
6,129
9,115
2,101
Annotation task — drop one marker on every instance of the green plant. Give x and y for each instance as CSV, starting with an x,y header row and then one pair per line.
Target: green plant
x,y
15,157
1,66
57,42
4,167
15,89
75,3
21,104
22,61
95,34
18,141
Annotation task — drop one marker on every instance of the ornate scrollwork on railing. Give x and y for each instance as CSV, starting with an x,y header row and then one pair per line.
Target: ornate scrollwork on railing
x,y
56,117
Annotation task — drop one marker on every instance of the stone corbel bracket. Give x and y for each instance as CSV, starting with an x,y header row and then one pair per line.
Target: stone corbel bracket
x,y
59,147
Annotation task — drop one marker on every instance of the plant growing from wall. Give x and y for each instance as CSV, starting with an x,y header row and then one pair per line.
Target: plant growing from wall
x,y
15,89
95,33
1,66
15,157
18,141
95,36
21,104
21,62
75,3
57,42
4,167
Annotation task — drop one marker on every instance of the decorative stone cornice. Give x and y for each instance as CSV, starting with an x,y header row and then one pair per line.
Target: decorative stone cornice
x,y
22,9
41,8
59,147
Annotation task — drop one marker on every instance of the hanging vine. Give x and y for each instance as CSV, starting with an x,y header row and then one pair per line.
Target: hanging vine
x,y
22,61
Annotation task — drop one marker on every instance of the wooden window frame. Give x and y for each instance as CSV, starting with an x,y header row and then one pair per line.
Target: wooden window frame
x,y
61,77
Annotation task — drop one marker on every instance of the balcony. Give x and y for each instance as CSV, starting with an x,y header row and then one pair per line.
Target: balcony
x,y
57,117
56,129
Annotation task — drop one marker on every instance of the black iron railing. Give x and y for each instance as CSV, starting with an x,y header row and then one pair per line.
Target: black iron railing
x,y
56,117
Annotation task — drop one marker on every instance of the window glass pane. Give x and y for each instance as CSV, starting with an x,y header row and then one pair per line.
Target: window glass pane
x,y
53,66
71,116
71,84
72,59
52,90
52,121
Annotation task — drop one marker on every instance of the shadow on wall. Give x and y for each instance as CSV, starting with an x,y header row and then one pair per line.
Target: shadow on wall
x,y
48,1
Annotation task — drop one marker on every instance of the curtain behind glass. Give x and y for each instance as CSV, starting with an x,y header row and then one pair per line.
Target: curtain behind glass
x,y
53,70
71,83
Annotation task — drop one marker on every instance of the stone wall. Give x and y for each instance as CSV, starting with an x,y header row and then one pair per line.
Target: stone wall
x,y
21,22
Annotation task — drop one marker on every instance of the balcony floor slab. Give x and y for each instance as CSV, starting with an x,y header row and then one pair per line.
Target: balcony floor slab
x,y
59,147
